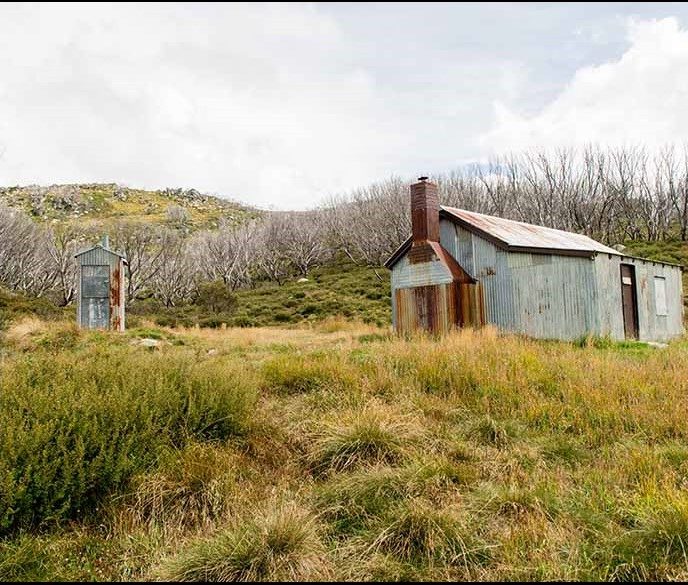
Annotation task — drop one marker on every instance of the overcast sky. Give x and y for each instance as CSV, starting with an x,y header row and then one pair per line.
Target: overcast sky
x,y
283,105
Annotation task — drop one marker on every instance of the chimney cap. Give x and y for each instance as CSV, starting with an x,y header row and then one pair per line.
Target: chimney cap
x,y
423,179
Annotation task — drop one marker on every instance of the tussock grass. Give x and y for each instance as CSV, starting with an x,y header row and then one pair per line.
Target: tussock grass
x,y
373,435
192,489
279,543
351,502
474,456
292,374
416,532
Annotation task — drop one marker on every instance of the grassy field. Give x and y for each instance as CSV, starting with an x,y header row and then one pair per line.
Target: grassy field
x,y
336,451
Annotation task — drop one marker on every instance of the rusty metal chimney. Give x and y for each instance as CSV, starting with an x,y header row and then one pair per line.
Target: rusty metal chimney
x,y
425,212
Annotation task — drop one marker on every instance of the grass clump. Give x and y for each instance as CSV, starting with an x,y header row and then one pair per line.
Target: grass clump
x,y
488,431
422,535
654,549
295,374
373,435
281,543
351,502
191,488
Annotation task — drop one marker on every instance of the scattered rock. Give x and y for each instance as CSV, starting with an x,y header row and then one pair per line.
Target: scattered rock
x,y
657,344
302,279
147,342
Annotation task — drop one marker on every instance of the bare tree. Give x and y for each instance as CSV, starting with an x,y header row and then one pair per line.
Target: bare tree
x,y
270,251
144,246
24,262
63,243
225,254
176,279
304,240
674,174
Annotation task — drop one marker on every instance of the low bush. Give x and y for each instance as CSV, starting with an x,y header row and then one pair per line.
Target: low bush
x,y
76,426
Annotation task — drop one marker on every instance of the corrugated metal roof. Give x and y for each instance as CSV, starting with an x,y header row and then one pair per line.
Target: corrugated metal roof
x,y
520,235
99,247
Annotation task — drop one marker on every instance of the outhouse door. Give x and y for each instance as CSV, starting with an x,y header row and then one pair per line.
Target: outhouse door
x,y
95,297
629,301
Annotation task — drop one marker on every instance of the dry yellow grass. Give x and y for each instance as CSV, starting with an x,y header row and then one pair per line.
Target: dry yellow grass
x,y
475,456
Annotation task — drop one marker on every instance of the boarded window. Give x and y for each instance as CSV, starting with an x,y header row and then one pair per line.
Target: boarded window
x,y
95,292
95,281
660,296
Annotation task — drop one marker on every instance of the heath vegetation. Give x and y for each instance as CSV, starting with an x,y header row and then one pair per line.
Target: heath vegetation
x,y
335,451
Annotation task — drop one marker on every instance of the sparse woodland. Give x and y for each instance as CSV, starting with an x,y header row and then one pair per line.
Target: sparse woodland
x,y
611,195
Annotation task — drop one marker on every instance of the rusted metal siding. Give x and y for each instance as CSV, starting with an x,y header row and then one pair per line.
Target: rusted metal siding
x,y
89,261
438,308
651,325
517,234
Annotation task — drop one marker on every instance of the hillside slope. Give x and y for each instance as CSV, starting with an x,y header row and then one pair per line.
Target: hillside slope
x,y
97,204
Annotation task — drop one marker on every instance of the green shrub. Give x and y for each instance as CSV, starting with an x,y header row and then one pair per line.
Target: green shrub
x,y
76,426
243,321
216,296
14,305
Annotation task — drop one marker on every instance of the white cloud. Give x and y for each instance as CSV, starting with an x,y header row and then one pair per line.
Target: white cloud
x,y
283,104
639,99
241,100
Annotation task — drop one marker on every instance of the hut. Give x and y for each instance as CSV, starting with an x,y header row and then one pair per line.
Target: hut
x,y
460,268
100,288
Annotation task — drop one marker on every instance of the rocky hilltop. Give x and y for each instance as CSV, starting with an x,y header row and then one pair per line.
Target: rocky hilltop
x,y
98,203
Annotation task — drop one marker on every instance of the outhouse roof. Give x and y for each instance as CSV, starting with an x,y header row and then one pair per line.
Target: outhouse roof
x,y
101,247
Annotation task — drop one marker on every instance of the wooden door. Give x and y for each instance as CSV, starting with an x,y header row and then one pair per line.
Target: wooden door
x,y
629,301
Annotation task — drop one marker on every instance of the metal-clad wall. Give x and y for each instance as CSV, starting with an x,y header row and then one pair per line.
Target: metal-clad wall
x,y
541,295
653,326
407,275
438,308
554,296
486,263
425,308
609,307
492,271
458,242
98,256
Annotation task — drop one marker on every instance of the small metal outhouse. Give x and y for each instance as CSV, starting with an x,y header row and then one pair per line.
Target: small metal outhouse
x,y
100,288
